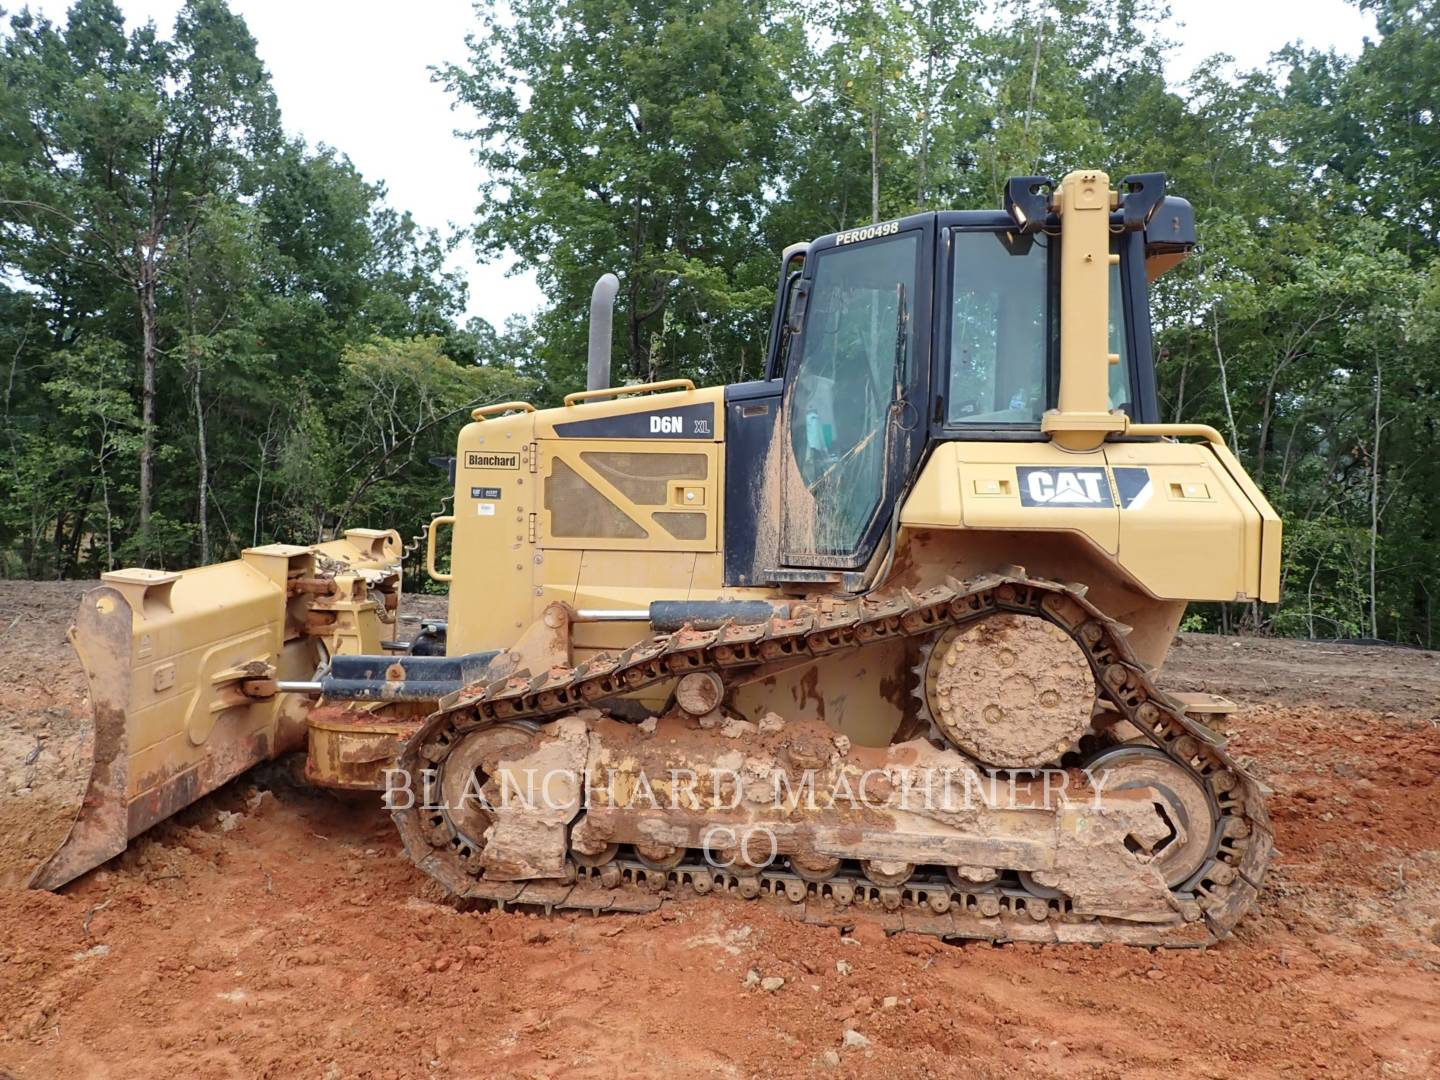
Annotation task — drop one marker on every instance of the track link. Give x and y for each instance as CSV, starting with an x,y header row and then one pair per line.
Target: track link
x,y
1207,909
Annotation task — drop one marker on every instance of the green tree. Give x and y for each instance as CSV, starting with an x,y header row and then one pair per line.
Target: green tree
x,y
128,138
160,223
640,139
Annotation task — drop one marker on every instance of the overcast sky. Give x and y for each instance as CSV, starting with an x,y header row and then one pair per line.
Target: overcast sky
x,y
353,74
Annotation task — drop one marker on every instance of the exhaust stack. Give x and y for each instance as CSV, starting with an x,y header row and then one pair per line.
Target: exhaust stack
x,y
602,310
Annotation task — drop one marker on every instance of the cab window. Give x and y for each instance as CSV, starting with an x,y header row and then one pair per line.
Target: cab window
x,y
998,332
1120,393
998,336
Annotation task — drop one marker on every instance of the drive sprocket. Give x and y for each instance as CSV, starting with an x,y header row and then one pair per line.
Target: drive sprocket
x,y
1011,691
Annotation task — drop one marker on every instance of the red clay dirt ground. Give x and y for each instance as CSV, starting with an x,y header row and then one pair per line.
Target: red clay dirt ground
x,y
272,930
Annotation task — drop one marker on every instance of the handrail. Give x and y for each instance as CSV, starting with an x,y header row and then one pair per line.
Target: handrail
x,y
435,523
504,406
1177,431
619,391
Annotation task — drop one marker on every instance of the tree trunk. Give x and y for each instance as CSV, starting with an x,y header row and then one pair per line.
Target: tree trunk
x,y
924,170
1224,384
637,360
57,544
1267,416
1375,504
874,164
109,519
149,359
1034,74
71,555
202,515
259,486
1180,388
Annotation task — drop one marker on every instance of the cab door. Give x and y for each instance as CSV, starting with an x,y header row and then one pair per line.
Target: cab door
x,y
854,409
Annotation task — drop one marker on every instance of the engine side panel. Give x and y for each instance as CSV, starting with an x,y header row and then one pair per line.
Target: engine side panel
x,y
606,504
1169,516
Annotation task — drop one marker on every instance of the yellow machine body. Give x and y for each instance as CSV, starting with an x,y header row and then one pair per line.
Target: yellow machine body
x,y
1199,530
569,523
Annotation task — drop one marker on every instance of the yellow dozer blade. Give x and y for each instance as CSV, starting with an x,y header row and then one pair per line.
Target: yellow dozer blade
x,y
182,670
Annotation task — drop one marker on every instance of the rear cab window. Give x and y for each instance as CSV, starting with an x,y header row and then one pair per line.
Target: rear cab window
x,y
1003,336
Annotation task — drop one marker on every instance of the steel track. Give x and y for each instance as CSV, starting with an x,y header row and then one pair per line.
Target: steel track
x,y
1206,909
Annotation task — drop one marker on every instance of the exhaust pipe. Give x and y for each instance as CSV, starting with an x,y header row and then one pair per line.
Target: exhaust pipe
x,y
602,311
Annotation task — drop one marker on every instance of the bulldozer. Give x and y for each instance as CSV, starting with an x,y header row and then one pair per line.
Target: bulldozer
x,y
872,637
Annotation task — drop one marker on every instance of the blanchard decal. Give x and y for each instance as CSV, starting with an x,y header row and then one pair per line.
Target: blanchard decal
x,y
1133,486
678,422
492,459
484,493
1064,485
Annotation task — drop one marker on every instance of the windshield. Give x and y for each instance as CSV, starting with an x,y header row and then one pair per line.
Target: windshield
x,y
842,390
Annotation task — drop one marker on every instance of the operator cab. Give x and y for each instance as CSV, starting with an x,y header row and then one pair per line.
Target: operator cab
x,y
889,338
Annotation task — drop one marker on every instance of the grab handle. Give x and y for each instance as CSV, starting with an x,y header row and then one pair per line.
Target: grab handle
x,y
435,523
617,391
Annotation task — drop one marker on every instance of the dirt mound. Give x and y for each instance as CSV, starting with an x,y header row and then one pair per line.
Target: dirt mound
x,y
271,930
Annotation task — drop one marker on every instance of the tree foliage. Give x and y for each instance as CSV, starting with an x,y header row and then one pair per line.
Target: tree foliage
x,y
303,336
195,303
641,138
